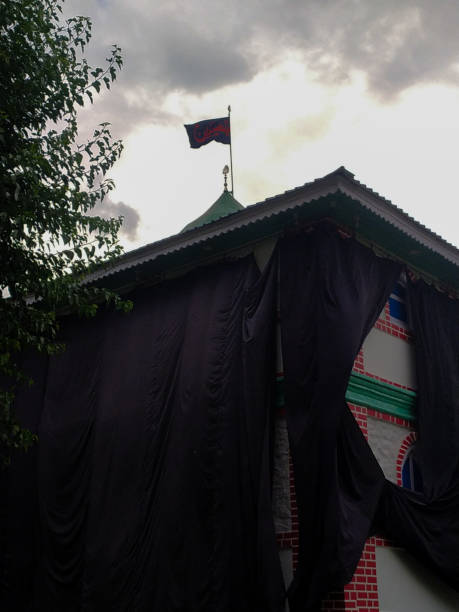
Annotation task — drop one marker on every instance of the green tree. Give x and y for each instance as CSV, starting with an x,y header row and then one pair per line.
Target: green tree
x,y
50,238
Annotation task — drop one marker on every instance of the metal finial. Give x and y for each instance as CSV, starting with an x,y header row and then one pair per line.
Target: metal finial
x,y
225,174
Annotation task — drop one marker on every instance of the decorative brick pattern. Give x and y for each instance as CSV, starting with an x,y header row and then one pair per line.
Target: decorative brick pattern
x,y
286,539
382,416
360,414
358,363
294,511
361,594
385,323
405,446
385,380
394,330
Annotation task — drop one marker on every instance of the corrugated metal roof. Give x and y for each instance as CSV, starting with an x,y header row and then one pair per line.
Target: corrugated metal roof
x,y
383,214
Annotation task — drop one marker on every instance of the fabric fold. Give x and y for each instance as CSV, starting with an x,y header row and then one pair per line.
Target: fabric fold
x,y
154,453
332,290
19,514
426,522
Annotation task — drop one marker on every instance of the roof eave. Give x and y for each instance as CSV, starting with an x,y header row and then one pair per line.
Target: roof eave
x,y
340,181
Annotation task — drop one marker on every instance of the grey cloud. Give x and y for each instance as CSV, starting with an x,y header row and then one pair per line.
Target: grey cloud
x,y
183,46
123,113
186,59
163,51
396,44
108,208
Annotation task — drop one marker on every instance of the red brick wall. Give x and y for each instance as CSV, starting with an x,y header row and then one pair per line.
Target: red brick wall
x,y
289,539
385,324
361,594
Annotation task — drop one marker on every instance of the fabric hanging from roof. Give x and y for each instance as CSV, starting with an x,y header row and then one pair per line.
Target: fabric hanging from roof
x,y
426,523
154,466
153,482
434,321
332,290
341,492
19,507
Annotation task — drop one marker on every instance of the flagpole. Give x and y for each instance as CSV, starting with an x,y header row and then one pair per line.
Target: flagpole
x,y
231,151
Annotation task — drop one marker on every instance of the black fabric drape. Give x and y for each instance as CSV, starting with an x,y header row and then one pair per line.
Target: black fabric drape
x,y
259,384
429,530
434,320
154,482
19,546
65,458
332,290
427,523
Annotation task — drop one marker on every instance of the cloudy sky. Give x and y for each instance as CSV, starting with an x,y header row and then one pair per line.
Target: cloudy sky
x,y
313,84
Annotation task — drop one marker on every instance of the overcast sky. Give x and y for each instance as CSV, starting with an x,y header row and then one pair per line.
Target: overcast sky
x,y
313,84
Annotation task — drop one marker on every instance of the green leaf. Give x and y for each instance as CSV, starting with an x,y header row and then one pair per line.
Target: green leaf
x,y
47,238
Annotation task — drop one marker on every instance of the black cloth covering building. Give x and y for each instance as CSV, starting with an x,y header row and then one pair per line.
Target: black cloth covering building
x,y
332,290
150,486
153,464
427,523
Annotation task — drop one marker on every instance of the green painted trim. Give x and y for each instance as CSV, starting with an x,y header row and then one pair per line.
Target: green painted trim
x,y
365,391
370,393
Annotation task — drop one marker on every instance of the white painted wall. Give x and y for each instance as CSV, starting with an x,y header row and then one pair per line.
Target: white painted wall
x,y
406,586
287,566
385,440
281,479
389,357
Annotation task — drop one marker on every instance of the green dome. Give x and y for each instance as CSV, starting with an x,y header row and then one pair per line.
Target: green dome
x,y
225,205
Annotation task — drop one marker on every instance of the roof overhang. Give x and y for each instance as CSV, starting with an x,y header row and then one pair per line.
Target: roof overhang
x,y
338,196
